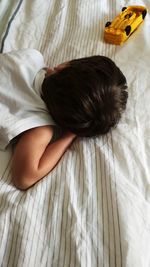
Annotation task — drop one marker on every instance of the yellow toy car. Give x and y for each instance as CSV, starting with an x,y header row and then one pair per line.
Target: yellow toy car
x,y
119,30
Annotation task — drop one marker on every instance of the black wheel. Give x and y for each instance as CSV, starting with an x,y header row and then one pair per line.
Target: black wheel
x,y
107,23
128,30
124,8
144,14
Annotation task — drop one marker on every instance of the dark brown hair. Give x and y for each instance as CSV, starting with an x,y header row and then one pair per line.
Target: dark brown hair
x,y
87,97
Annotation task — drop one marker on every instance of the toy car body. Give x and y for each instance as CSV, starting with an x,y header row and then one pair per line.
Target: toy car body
x,y
119,30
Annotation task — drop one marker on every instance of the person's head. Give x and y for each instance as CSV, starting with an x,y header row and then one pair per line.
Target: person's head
x,y
87,97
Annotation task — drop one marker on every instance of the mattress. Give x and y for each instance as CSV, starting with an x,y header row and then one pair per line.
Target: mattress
x,y
93,209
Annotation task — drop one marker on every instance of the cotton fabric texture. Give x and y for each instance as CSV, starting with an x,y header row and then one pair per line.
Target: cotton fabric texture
x,y
93,209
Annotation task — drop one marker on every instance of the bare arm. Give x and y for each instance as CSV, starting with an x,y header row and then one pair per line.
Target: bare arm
x,y
34,157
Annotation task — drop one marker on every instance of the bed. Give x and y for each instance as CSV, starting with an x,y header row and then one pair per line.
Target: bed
x,y
93,209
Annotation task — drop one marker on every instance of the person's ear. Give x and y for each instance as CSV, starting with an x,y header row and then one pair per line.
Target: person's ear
x,y
61,66
49,71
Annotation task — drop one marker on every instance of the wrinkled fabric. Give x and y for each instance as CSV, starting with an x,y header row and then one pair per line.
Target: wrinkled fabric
x,y
93,209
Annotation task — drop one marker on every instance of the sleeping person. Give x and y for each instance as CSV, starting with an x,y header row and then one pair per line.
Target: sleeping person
x,y
84,97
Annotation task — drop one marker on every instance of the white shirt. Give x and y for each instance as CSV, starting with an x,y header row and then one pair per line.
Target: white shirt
x,y
21,106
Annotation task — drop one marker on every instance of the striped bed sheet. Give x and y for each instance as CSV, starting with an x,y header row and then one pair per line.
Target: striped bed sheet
x,y
93,209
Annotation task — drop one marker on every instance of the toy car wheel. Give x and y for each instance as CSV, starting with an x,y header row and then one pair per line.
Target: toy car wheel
x,y
128,30
144,14
107,23
124,8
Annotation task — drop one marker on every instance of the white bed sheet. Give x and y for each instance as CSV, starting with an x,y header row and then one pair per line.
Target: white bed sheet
x,y
93,210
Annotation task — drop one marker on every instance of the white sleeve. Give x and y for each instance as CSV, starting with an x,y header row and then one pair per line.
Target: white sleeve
x,y
21,106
